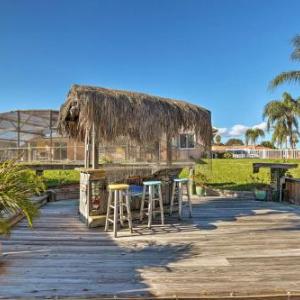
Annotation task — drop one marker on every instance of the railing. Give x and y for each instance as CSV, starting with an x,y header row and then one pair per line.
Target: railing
x,y
276,153
265,154
43,154
75,154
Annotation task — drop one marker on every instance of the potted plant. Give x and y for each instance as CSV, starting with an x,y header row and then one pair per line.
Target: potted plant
x,y
200,181
260,192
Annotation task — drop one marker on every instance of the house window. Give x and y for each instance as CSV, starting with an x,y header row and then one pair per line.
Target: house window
x,y
187,140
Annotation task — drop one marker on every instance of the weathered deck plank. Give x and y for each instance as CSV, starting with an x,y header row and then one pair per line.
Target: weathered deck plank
x,y
239,247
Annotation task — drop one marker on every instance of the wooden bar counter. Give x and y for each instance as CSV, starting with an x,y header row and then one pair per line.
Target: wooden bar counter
x,y
93,185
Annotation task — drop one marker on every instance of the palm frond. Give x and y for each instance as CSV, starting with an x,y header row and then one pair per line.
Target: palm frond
x,y
296,52
17,184
285,77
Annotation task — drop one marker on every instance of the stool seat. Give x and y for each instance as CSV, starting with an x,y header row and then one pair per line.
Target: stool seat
x,y
153,190
151,182
181,179
118,198
118,186
177,192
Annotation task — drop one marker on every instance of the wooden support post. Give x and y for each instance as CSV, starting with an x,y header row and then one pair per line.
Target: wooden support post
x,y
18,128
51,134
86,150
169,149
18,134
159,154
94,148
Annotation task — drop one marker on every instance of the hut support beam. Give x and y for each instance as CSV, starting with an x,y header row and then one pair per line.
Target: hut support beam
x,y
51,136
87,150
169,149
95,149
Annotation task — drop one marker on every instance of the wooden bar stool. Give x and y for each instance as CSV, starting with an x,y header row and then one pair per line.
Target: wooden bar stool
x,y
177,192
118,198
149,188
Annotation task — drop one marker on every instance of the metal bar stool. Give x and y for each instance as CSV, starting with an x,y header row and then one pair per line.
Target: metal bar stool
x,y
117,194
177,192
149,188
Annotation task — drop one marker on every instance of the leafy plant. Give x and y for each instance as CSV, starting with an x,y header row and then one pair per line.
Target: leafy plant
x,y
227,155
267,144
17,184
200,179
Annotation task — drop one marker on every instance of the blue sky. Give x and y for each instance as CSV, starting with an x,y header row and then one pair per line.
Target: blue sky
x,y
220,54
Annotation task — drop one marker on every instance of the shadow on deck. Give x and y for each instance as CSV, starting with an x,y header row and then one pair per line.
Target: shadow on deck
x,y
239,247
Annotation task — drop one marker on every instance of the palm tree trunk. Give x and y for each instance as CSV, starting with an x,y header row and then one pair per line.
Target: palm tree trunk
x,y
290,128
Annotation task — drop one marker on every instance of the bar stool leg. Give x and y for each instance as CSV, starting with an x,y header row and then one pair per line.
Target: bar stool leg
x,y
108,210
127,197
150,207
121,206
189,198
161,206
143,203
179,200
172,197
116,208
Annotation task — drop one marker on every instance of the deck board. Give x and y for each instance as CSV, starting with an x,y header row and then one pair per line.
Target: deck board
x,y
229,247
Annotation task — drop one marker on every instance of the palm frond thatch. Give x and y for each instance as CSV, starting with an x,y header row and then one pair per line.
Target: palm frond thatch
x,y
139,116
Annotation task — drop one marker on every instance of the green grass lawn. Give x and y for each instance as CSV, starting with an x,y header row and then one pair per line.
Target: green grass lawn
x,y
229,174
236,174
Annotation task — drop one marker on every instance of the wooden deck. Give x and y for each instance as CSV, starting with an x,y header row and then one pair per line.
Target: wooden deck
x,y
230,247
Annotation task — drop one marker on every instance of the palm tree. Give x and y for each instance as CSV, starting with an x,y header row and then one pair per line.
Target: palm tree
x,y
252,134
16,186
282,117
218,139
289,76
280,134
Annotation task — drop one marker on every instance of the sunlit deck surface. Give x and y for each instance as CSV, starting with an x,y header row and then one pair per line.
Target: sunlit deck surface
x,y
237,247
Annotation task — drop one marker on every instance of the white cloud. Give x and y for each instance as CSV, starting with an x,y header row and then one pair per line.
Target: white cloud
x,y
262,125
222,131
238,130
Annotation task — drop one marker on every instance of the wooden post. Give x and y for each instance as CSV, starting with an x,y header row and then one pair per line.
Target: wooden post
x,y
169,149
18,134
75,151
94,148
51,134
18,128
86,150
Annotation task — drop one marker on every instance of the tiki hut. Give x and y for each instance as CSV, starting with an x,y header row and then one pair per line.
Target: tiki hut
x,y
94,114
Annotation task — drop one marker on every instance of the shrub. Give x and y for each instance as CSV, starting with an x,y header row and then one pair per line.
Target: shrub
x,y
227,155
17,184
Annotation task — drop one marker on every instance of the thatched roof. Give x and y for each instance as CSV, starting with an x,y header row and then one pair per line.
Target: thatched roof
x,y
140,117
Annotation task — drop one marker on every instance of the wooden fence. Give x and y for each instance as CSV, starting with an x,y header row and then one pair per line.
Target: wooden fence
x,y
292,190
